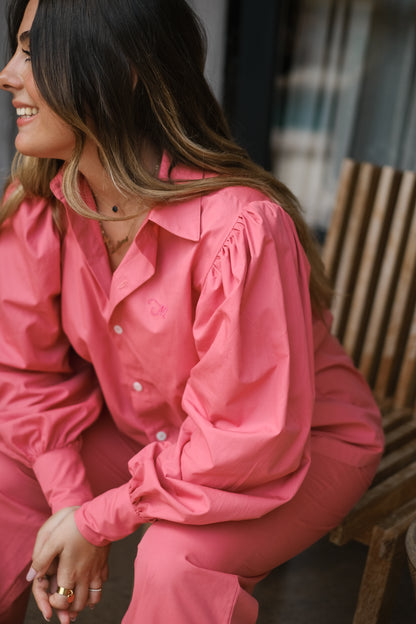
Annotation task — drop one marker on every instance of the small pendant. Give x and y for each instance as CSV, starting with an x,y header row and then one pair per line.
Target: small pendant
x,y
114,208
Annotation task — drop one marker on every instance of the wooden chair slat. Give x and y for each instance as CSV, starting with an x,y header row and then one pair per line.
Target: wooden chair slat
x,y
362,203
384,564
370,262
399,436
405,392
400,319
394,418
340,215
388,277
380,501
395,460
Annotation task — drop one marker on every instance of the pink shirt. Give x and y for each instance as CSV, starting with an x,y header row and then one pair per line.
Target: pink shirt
x,y
203,346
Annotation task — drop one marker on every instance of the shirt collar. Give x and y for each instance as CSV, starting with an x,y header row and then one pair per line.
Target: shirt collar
x,y
180,218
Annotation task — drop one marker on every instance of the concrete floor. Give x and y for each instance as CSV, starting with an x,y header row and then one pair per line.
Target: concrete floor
x,y
320,586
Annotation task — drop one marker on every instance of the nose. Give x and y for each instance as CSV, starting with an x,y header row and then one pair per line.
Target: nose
x,y
10,79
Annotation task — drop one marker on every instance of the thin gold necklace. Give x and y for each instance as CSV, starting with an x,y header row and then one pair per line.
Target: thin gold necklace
x,y
114,247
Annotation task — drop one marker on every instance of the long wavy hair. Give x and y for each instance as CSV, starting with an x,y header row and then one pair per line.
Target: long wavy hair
x,y
125,72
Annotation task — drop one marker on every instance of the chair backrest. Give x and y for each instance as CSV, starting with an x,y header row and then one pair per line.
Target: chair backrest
x,y
370,257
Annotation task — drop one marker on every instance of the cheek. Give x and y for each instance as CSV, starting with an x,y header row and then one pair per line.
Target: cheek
x,y
30,84
49,117
59,136
55,129
61,130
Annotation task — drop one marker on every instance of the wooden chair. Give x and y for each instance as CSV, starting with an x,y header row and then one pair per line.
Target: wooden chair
x,y
370,256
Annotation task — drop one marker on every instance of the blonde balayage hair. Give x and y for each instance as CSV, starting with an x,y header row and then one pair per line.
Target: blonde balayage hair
x,y
133,70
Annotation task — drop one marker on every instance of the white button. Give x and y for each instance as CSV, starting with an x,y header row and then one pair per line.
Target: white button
x,y
137,386
161,436
118,329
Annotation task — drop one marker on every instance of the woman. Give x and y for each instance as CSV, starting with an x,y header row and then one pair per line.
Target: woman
x,y
165,348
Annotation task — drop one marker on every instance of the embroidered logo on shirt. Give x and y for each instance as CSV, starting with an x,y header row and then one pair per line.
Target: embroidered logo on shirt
x,y
157,309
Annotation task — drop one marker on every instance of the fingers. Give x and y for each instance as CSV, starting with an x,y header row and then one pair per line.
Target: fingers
x,y
69,602
63,600
74,569
41,594
69,596
44,559
94,593
43,585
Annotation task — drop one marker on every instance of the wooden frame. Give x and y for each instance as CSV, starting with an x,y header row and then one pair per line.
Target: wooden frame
x,y
370,256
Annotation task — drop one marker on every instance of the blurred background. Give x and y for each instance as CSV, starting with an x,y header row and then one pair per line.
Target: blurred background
x,y
304,84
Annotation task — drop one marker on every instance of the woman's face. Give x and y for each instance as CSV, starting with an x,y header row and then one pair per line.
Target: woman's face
x,y
41,132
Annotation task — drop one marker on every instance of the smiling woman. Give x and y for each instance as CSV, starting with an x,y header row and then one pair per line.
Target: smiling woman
x,y
165,353
41,132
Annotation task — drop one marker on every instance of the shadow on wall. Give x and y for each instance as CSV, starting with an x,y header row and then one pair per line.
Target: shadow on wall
x,y
7,127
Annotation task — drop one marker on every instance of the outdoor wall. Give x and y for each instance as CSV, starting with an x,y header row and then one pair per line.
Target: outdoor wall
x,y
213,14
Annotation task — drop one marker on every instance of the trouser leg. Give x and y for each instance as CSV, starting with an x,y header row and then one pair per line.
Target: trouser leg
x,y
183,574
206,574
23,508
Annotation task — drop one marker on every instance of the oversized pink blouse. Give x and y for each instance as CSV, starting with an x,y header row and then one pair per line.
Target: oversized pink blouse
x,y
201,344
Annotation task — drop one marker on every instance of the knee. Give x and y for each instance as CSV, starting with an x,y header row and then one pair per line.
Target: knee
x,y
170,573
161,556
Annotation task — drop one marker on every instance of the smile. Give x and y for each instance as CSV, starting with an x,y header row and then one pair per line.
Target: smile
x,y
27,111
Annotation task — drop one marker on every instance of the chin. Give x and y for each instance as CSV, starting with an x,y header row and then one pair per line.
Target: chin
x,y
37,153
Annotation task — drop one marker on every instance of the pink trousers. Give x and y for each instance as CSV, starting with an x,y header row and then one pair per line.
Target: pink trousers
x,y
203,574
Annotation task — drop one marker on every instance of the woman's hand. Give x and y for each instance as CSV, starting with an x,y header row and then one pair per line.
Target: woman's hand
x,y
62,557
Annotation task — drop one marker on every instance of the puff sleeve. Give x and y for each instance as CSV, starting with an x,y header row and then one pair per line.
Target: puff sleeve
x,y
47,394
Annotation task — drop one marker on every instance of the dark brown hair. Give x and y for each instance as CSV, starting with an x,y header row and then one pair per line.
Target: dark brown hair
x,y
133,71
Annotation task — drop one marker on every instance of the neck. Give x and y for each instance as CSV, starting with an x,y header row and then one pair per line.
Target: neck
x,y
106,194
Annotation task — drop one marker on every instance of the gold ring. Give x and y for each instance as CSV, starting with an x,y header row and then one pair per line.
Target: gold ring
x,y
68,593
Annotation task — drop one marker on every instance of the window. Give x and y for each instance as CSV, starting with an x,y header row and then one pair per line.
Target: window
x,y
345,86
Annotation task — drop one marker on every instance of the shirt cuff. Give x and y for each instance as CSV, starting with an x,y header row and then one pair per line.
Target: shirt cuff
x,y
61,475
108,517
